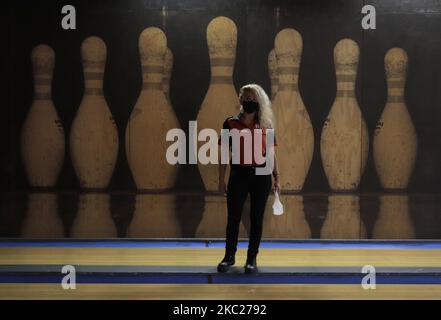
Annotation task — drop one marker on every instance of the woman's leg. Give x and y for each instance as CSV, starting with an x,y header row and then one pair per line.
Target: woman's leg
x,y
237,190
259,191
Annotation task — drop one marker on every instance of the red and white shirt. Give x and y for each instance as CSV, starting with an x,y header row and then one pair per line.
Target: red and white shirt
x,y
236,122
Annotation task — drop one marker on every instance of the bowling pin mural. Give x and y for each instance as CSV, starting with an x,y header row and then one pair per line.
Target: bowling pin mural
x,y
94,218
395,139
42,219
343,219
168,66
154,217
291,224
394,220
344,140
42,135
94,136
151,118
272,68
292,123
214,219
221,100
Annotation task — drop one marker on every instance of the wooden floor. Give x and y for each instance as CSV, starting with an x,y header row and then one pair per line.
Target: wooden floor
x,y
268,257
210,257
218,291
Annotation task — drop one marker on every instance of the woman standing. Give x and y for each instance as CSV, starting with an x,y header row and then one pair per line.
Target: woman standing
x,y
255,113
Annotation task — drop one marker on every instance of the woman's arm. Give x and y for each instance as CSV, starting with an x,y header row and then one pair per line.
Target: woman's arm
x,y
276,174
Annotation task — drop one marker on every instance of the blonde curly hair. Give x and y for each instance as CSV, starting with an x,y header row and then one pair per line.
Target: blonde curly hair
x,y
265,114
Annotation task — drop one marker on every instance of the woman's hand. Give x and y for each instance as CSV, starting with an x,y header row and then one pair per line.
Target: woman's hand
x,y
277,186
222,187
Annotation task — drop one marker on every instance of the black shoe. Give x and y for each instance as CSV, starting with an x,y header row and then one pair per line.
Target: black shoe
x,y
251,265
226,263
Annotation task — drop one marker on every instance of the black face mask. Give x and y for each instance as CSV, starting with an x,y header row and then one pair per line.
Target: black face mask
x,y
250,106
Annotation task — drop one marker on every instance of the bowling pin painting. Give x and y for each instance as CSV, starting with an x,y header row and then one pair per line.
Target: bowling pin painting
x,y
94,144
94,217
94,136
344,140
221,100
394,218
154,217
292,123
272,68
42,135
151,118
214,218
168,66
343,220
395,140
42,219
292,224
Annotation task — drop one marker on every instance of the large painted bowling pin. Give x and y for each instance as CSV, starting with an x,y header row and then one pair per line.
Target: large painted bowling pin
x,y
221,100
42,219
291,224
151,118
168,66
394,220
395,140
344,141
94,218
274,77
214,219
292,123
154,217
343,219
94,136
42,134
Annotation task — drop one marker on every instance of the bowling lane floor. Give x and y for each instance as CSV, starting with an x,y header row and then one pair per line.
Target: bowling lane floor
x,y
37,291
167,245
185,269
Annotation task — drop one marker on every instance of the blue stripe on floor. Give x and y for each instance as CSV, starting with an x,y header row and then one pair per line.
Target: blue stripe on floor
x,y
309,244
326,279
103,244
221,279
337,245
89,278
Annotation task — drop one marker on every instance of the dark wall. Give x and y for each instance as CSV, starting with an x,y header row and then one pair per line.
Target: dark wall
x,y
413,25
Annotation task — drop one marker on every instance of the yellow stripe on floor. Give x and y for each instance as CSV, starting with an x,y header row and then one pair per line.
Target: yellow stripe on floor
x,y
211,256
218,291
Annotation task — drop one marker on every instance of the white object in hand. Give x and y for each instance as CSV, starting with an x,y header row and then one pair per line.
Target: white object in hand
x,y
277,205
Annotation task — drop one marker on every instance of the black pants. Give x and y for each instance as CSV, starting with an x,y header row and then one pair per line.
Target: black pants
x,y
243,180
